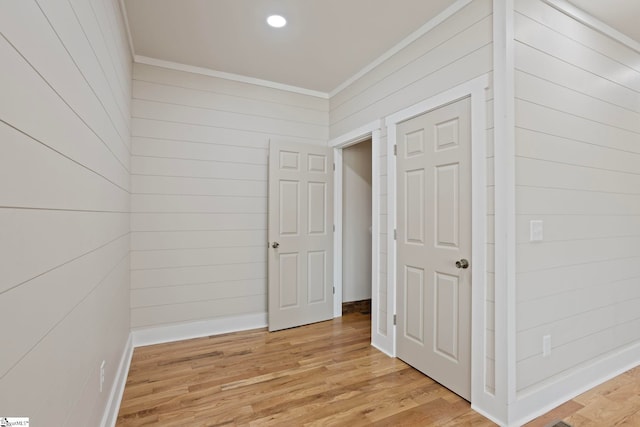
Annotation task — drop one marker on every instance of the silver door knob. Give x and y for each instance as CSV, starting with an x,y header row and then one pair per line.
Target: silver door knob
x,y
463,263
275,245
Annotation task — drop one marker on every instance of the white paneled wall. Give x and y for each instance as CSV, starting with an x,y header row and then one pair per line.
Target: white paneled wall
x,y
152,212
452,53
577,170
199,184
64,207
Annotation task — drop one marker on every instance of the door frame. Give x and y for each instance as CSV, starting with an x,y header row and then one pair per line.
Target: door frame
x,y
476,90
369,131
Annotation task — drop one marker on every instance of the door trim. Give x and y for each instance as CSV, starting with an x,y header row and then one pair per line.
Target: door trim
x,y
369,131
476,90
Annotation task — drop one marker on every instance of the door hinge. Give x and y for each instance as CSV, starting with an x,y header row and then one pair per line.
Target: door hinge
x,y
395,149
395,234
334,166
334,228
395,319
334,290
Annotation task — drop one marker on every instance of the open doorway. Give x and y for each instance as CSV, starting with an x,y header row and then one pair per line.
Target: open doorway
x,y
356,228
380,304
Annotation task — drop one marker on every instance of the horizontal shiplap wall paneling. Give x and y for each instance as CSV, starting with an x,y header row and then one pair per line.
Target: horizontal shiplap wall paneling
x,y
199,184
454,52
64,206
577,170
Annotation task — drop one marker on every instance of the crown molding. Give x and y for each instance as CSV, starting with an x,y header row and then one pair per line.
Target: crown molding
x,y
125,18
228,76
593,22
424,29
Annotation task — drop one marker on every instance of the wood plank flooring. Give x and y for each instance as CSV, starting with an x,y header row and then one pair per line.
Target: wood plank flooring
x,y
322,374
362,306
614,403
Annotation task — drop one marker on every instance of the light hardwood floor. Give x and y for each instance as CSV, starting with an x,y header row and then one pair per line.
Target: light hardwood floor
x,y
614,403
321,374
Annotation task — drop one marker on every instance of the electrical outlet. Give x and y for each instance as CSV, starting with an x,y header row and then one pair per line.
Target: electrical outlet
x,y
546,345
102,375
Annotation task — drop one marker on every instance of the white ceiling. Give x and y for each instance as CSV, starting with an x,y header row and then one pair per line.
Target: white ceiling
x,y
325,42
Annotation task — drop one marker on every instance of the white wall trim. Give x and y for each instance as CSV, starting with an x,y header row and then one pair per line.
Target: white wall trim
x,y
382,348
593,23
424,29
125,18
543,399
338,182
370,130
228,76
378,340
356,135
198,329
479,394
488,415
505,208
391,123
476,89
110,415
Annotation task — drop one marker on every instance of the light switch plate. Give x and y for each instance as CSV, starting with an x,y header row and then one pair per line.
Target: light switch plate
x,y
535,231
546,345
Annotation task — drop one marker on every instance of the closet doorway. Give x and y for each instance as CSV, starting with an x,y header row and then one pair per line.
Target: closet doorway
x,y
356,227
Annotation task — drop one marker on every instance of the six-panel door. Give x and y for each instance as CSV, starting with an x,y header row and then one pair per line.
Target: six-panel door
x,y
300,234
434,231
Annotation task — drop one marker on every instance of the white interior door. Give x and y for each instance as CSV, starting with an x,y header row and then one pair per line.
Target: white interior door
x,y
300,234
434,245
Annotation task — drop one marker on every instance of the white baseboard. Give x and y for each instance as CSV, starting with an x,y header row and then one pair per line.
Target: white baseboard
x,y
202,328
487,415
382,348
117,389
544,399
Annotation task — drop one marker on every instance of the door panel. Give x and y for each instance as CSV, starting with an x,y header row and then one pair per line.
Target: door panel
x,y
300,234
446,317
434,231
288,266
414,200
289,208
414,307
289,160
317,208
317,262
446,205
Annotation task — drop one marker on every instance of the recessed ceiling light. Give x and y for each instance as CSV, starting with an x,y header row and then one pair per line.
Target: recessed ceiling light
x,y
276,21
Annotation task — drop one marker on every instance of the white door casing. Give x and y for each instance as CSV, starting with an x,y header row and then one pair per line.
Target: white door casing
x,y
300,258
433,232
380,336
